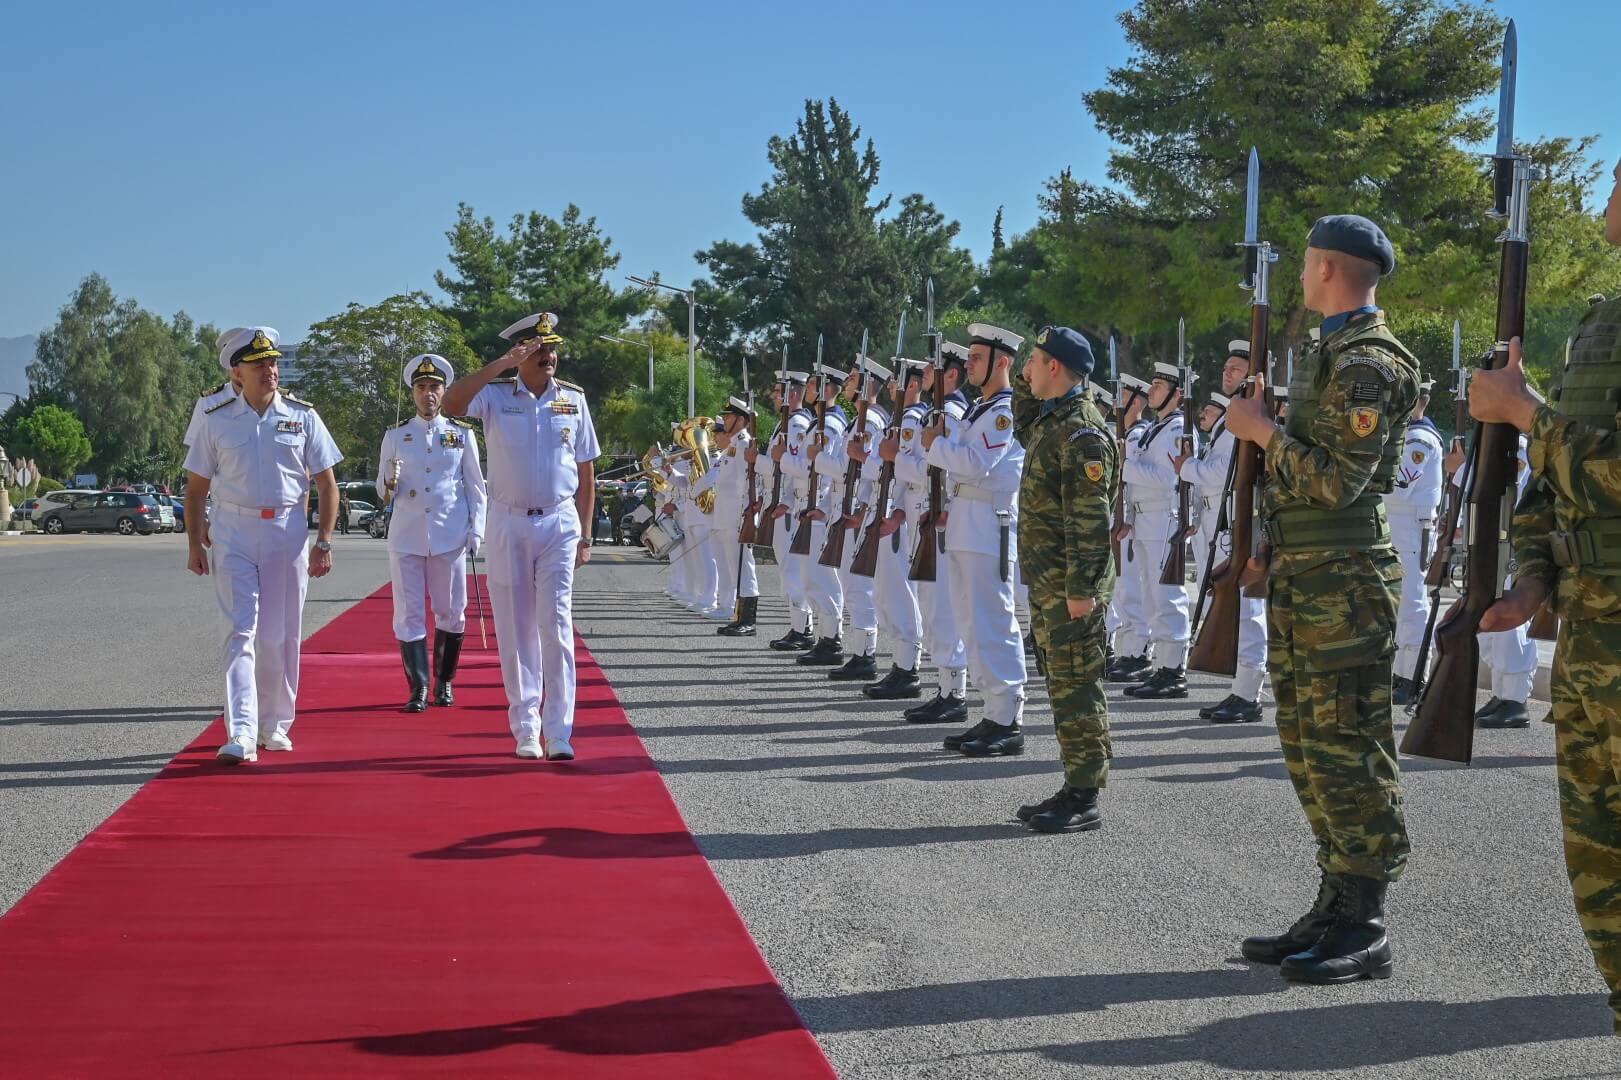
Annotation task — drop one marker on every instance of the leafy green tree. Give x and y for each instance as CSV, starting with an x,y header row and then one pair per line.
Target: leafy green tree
x,y
351,367
53,437
651,414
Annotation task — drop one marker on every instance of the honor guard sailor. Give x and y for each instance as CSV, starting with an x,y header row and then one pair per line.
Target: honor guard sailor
x,y
1413,505
542,449
788,396
899,614
257,455
983,461
1128,612
822,444
861,386
429,472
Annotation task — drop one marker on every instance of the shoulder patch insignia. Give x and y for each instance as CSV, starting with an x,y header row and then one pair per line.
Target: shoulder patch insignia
x,y
1364,421
907,433
1003,422
1363,390
1418,457
1368,360
221,405
1094,471
212,390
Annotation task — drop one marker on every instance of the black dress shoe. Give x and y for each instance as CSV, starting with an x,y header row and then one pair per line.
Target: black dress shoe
x,y
951,709
793,641
855,669
826,653
1401,690
1075,811
1509,714
999,741
1354,946
1207,711
1305,931
899,683
984,727
1237,711
1030,810
1493,703
918,713
1127,669
1164,683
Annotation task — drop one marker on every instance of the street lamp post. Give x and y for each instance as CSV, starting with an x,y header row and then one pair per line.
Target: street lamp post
x,y
691,297
633,341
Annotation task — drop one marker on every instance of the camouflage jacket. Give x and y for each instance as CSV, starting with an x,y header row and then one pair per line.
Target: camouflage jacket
x,y
1066,501
1567,529
1349,403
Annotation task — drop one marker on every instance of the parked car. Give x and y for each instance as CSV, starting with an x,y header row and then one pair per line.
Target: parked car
x,y
52,500
24,511
376,522
178,504
359,512
105,511
166,514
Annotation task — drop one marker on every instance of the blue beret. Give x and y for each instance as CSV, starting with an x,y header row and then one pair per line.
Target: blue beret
x,y
1355,235
1068,347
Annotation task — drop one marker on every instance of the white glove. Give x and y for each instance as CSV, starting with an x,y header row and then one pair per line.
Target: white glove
x,y
474,540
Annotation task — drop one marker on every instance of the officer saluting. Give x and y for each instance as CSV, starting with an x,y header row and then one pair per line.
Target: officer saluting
x,y
542,486
257,455
428,469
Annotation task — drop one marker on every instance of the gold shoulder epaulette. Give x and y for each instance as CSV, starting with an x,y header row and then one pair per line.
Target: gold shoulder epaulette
x,y
459,422
297,400
407,420
221,405
509,379
571,386
212,390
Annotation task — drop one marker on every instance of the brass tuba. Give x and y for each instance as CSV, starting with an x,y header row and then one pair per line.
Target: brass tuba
x,y
695,435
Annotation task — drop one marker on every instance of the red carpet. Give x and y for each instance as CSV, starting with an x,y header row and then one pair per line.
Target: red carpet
x,y
398,896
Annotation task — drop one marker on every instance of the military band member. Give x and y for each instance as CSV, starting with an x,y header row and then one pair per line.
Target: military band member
x,y
1211,474
696,555
739,592
983,461
940,630
787,453
1151,472
864,383
821,445
1567,544
428,470
1128,612
542,487
899,615
1413,505
1331,605
1066,512
257,455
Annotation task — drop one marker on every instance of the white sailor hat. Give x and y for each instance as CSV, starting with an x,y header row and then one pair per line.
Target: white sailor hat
x,y
429,366
1220,401
542,325
1101,394
248,344
797,378
737,405
1238,347
833,374
997,338
1173,374
952,351
875,369
1132,383
225,335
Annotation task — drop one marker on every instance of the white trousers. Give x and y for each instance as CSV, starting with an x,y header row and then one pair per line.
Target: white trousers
x,y
1251,674
530,561
680,588
859,600
1169,620
1413,609
1512,657
992,643
725,552
418,578
788,581
899,617
820,585
703,574
941,635
1130,611
261,573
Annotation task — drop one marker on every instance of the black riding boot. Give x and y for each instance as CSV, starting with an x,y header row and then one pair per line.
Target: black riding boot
x,y
414,655
447,653
743,625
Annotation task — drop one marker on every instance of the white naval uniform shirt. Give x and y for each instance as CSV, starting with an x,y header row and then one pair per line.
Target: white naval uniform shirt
x,y
535,443
439,500
1418,495
1207,472
1130,452
867,475
910,468
729,476
210,398
1149,471
795,471
984,462
261,462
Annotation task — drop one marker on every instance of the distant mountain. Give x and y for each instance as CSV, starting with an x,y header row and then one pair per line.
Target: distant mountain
x,y
16,353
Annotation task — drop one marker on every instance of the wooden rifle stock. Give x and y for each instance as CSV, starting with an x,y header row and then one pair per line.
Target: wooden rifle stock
x,y
1211,568
801,543
749,529
766,535
865,561
833,549
1175,569
930,540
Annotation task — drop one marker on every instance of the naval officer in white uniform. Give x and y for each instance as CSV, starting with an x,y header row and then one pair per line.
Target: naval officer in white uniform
x,y
428,470
257,455
542,486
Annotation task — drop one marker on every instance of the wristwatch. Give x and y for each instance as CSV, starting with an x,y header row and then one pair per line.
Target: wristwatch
x,y
322,545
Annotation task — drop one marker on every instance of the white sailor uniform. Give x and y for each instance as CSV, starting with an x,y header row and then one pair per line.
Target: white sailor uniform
x,y
1412,506
1128,610
1154,505
937,610
819,584
728,476
900,620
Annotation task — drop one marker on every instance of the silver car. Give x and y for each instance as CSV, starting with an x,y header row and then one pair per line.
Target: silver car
x,y
104,511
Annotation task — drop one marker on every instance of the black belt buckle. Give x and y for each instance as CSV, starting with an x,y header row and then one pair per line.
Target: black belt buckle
x,y
537,511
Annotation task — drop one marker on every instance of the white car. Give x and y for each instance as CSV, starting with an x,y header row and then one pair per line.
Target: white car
x,y
358,510
57,500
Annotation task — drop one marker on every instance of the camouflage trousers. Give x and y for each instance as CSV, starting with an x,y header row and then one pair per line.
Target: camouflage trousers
x,y
1586,688
1073,652
1331,637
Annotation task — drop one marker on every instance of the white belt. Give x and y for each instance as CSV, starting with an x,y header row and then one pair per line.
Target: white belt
x,y
530,511
1142,507
1002,500
263,513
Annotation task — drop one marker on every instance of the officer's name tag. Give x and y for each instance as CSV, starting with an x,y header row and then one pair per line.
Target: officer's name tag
x,y
512,410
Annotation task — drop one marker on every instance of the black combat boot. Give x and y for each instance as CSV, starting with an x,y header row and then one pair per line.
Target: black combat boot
x,y
1030,810
1354,946
828,652
414,655
1075,811
1236,710
1508,714
899,683
793,641
1303,934
856,669
997,741
742,626
942,710
1128,669
1165,683
447,654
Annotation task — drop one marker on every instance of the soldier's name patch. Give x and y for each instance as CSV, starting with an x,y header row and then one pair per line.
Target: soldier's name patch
x,y
1364,421
1362,390
1003,422
294,426
1385,370
1094,471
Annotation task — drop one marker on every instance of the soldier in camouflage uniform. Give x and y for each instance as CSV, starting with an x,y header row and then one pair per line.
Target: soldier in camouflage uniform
x,y
1335,580
1066,509
1567,541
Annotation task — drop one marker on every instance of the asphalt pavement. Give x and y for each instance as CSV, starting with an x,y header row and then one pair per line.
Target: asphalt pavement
x,y
920,930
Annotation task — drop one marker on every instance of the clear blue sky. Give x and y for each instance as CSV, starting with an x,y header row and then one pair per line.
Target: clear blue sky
x,y
271,163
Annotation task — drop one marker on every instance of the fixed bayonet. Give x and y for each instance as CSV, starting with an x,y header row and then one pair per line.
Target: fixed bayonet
x,y
1252,218
1503,157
